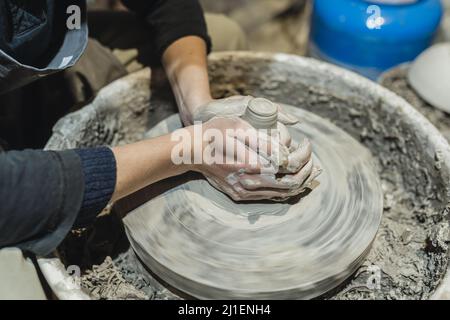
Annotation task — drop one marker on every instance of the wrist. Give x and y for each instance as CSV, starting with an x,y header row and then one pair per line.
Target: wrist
x,y
190,148
194,104
181,146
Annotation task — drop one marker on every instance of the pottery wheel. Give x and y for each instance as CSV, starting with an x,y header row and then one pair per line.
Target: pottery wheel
x,y
199,241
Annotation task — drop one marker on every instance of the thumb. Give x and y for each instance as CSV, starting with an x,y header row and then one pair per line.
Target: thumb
x,y
287,118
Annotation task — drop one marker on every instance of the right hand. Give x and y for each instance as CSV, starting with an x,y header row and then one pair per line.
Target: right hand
x,y
232,172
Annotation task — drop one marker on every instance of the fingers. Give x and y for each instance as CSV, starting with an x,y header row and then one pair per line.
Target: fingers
x,y
262,195
267,146
254,158
229,107
267,181
287,186
299,178
298,158
279,149
242,186
239,193
247,160
284,135
236,106
316,172
286,118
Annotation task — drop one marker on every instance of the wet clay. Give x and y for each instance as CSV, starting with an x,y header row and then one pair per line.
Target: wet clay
x,y
410,250
201,242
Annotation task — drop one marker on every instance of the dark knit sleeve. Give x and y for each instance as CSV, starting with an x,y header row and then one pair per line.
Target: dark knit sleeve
x,y
40,196
171,20
44,194
99,171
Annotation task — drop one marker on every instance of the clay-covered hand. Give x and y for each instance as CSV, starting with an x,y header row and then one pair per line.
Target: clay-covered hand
x,y
235,106
237,159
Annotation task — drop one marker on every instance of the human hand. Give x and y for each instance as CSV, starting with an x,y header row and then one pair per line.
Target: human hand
x,y
236,106
238,160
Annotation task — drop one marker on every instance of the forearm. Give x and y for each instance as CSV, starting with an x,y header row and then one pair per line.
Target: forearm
x,y
144,163
45,194
185,62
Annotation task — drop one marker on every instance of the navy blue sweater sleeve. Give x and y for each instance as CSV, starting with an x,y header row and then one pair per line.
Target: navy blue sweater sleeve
x,y
171,20
43,194
99,171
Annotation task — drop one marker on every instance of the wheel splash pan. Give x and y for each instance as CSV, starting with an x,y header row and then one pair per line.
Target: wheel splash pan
x,y
410,252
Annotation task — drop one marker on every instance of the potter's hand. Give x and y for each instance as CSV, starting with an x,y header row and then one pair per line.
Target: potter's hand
x,y
298,154
235,107
238,160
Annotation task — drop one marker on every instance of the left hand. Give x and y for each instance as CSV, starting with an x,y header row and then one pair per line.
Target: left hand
x,y
235,106
233,171
296,166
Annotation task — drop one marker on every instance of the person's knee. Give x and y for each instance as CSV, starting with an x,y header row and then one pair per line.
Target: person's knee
x,y
225,33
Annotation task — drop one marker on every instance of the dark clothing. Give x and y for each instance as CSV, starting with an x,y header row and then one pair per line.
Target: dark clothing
x,y
43,199
28,30
40,194
35,39
171,20
99,172
44,194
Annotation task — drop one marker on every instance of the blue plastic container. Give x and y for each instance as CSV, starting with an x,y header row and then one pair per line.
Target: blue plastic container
x,y
371,36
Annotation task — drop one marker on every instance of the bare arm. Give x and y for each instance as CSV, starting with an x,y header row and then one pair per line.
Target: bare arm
x,y
144,163
185,62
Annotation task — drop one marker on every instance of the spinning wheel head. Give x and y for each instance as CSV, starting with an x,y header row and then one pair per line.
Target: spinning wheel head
x,y
201,242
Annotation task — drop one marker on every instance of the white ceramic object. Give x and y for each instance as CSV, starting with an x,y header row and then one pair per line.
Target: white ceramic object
x,y
429,75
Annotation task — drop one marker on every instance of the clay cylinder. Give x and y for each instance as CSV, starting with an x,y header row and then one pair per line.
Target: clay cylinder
x,y
261,114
